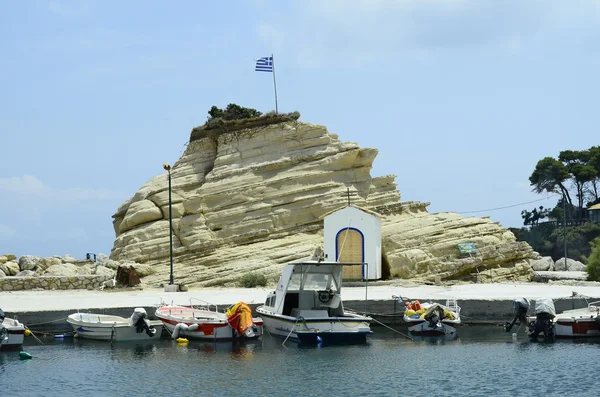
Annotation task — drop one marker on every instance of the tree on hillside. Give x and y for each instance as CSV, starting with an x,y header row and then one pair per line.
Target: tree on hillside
x,y
232,112
550,174
594,162
577,164
533,217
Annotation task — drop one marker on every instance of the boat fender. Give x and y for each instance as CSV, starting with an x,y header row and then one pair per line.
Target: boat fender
x,y
27,332
178,329
193,327
182,341
597,322
25,356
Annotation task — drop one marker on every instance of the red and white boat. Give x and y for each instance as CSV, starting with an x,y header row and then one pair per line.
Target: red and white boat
x,y
208,323
432,319
12,332
577,323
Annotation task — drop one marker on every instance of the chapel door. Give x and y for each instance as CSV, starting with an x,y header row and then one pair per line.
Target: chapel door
x,y
350,244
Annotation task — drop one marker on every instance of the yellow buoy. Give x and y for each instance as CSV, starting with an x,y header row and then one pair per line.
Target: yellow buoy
x,y
27,332
182,341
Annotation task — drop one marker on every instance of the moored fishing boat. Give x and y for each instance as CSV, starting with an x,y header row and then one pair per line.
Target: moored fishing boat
x,y
206,322
578,323
307,306
12,332
115,328
432,319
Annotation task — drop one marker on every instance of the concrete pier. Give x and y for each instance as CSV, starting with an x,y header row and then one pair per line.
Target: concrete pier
x,y
46,311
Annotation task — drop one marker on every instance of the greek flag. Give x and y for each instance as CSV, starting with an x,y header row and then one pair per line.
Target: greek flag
x,y
264,64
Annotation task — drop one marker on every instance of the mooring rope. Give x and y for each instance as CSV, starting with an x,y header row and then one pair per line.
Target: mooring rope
x,y
36,338
292,330
395,330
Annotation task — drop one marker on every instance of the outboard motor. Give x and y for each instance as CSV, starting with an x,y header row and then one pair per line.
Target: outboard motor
x,y
139,320
3,331
544,316
434,315
521,306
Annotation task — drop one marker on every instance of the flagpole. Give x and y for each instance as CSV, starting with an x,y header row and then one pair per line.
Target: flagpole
x,y
274,84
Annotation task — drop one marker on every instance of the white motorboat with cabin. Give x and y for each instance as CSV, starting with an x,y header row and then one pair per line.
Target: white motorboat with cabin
x,y
307,306
206,322
12,332
115,328
432,319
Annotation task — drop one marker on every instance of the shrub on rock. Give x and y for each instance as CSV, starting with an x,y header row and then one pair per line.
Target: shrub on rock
x,y
251,280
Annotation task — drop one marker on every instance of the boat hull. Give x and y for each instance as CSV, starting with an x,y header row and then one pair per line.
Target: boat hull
x,y
423,328
110,328
331,330
211,325
13,334
576,328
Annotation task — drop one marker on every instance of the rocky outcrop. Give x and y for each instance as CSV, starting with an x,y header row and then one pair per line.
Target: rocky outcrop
x,y
64,272
253,199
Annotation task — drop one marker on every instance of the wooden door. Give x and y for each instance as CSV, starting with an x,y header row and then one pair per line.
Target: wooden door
x,y
350,244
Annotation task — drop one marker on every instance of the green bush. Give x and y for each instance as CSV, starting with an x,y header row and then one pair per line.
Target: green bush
x,y
593,261
251,280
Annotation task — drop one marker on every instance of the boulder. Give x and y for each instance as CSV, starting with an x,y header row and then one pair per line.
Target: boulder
x,y
571,265
102,258
3,259
68,259
64,269
45,263
104,271
544,264
11,268
111,264
2,274
26,273
28,262
10,257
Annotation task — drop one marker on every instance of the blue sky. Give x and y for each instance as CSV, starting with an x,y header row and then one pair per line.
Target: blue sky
x,y
461,97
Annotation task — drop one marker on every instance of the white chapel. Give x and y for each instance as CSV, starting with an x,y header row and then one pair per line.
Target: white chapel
x,y
354,235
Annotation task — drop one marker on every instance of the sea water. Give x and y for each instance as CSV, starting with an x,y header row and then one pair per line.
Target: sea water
x,y
482,361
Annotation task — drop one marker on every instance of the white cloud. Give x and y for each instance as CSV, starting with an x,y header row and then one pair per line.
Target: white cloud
x,y
368,31
7,231
71,8
29,185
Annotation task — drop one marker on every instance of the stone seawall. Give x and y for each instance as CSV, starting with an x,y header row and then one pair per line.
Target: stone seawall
x,y
52,282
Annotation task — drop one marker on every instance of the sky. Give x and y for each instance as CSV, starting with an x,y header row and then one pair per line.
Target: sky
x,y
460,97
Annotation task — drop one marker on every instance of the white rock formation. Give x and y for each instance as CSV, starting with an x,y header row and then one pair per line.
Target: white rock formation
x,y
251,200
571,266
544,264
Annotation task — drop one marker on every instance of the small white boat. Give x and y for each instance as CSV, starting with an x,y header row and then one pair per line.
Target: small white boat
x,y
115,328
577,323
432,319
206,322
307,306
12,332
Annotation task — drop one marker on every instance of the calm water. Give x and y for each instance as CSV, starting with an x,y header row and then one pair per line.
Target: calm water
x,y
484,361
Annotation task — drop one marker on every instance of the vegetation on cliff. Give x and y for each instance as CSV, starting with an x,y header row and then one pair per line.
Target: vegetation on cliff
x,y
593,261
234,118
575,175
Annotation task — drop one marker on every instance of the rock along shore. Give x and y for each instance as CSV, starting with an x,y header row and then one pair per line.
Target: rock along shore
x,y
481,303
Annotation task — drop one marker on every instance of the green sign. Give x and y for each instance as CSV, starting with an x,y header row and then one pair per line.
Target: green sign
x,y
467,248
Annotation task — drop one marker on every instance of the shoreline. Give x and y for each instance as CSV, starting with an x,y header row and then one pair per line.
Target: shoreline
x,y
46,311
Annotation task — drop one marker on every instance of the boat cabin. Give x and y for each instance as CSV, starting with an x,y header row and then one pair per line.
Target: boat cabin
x,y
309,290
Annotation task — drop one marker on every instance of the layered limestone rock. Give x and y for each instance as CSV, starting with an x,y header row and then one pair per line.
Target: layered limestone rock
x,y
254,199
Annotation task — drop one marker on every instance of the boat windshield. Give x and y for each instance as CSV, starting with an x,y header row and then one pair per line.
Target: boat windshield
x,y
312,282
